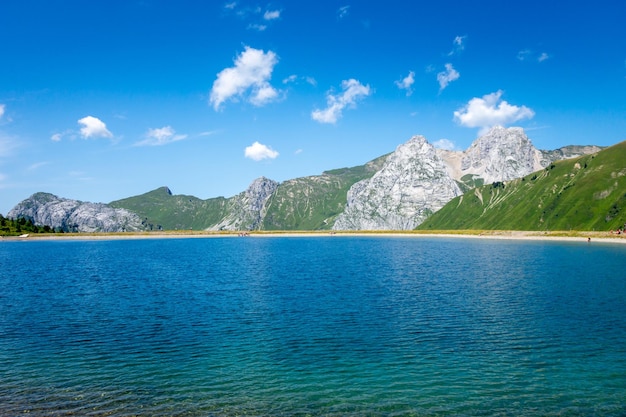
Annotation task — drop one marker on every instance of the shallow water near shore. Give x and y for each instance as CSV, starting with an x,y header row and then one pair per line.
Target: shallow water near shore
x,y
319,326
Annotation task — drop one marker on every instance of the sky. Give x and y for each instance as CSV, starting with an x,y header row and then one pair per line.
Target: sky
x,y
103,100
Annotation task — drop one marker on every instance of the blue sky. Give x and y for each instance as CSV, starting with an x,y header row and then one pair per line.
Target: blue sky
x,y
101,100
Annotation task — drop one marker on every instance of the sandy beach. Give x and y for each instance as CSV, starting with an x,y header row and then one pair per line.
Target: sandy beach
x,y
572,236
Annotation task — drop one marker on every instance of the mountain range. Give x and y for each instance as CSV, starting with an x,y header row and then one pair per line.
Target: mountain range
x,y
398,191
583,193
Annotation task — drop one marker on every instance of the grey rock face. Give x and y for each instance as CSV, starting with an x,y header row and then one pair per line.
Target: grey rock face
x,y
412,184
500,155
75,216
418,180
246,210
566,152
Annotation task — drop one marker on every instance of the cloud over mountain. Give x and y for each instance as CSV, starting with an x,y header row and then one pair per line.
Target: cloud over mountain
x,y
257,152
353,91
490,110
247,79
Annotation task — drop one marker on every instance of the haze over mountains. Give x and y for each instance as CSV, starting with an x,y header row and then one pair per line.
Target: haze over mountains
x,y
398,191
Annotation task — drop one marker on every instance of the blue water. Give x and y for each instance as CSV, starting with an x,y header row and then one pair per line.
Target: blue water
x,y
333,326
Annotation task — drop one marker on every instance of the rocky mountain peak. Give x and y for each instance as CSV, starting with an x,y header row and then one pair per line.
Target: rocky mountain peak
x,y
75,216
246,209
412,183
502,154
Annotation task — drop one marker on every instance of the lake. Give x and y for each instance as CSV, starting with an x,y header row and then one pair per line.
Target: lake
x,y
312,326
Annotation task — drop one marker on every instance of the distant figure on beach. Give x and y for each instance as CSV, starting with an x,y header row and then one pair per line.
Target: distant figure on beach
x,y
588,239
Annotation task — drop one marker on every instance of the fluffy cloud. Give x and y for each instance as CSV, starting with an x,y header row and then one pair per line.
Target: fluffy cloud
x,y
489,111
2,107
459,45
257,152
271,14
160,136
446,77
257,26
93,128
352,91
407,83
445,144
249,78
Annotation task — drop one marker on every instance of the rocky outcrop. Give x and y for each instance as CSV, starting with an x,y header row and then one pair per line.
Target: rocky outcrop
x,y
67,215
393,192
500,155
566,152
413,183
418,180
247,209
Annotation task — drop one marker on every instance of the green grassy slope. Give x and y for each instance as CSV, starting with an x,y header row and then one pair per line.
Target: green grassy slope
x,y
307,203
313,203
585,193
162,210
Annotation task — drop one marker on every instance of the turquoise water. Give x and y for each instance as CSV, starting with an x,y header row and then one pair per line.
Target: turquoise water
x,y
333,326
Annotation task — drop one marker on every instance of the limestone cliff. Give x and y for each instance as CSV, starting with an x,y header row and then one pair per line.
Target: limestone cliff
x,y
500,155
413,183
75,216
418,179
246,210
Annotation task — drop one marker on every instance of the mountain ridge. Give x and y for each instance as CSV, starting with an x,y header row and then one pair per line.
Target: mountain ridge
x,y
397,191
585,193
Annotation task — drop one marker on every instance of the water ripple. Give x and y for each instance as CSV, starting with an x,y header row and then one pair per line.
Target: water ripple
x,y
308,327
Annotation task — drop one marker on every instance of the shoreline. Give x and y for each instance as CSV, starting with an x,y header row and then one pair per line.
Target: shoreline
x,y
567,236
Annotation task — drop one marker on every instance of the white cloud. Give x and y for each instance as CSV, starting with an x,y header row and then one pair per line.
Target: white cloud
x,y
56,137
530,55
160,136
93,128
446,77
445,144
458,45
489,111
271,15
230,6
342,12
249,78
257,26
2,107
352,91
407,83
257,152
294,79
263,95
